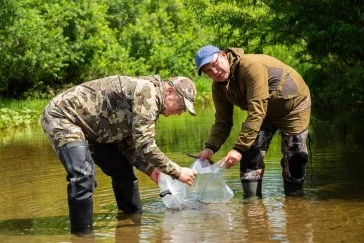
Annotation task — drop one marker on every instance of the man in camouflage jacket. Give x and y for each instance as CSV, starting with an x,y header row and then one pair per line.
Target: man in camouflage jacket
x,y
114,118
275,96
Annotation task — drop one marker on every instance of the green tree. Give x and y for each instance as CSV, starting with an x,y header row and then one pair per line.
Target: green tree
x,y
28,47
55,42
161,36
333,34
330,34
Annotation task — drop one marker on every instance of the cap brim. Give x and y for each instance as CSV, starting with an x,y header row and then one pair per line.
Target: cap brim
x,y
189,106
206,61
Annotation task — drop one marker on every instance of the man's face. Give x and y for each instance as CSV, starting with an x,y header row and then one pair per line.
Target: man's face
x,y
174,103
218,69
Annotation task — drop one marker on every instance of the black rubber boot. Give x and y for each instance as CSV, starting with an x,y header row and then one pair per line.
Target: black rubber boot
x,y
292,189
127,197
252,164
297,165
297,169
81,216
252,188
79,165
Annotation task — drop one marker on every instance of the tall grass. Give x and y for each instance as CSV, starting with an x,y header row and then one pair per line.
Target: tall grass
x,y
15,113
35,104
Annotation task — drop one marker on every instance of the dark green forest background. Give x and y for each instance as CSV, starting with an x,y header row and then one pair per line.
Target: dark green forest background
x,y
46,46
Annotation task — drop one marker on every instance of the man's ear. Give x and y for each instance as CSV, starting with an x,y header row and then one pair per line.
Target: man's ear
x,y
170,90
223,54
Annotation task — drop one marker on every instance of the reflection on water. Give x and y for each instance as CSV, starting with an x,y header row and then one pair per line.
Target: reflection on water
x,y
34,205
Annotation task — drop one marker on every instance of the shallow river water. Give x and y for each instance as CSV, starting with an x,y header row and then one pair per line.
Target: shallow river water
x,y
34,203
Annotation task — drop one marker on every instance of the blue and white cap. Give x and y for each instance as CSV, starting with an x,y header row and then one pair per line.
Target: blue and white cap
x,y
205,56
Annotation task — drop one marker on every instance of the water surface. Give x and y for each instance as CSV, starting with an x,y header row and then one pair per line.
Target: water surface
x,y
34,201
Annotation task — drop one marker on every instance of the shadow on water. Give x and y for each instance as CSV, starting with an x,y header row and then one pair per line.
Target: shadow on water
x,y
44,226
123,229
337,156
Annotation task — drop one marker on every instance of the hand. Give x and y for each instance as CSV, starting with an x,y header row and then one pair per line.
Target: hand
x,y
153,175
231,159
205,154
187,176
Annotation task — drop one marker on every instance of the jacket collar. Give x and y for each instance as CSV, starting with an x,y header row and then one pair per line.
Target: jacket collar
x,y
233,56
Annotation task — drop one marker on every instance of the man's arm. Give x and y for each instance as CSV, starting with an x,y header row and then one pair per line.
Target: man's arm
x,y
257,97
127,148
145,115
223,119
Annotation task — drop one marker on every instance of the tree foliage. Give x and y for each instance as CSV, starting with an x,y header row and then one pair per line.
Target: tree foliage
x,y
329,34
333,33
45,44
51,43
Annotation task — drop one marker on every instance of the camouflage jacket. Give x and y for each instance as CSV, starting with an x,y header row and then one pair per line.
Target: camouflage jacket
x,y
123,110
255,83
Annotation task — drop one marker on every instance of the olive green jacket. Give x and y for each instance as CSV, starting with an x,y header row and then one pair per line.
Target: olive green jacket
x,y
264,86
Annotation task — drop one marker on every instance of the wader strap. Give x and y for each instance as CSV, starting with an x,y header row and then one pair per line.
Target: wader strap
x,y
280,84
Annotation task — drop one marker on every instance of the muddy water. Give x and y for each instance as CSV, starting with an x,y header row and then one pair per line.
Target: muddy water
x,y
34,204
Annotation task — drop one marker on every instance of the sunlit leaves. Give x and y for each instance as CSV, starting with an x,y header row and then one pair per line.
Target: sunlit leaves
x,y
331,33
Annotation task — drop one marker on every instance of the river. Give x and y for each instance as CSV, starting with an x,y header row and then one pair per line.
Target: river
x,y
34,201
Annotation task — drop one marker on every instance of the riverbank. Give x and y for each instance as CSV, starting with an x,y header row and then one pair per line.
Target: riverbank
x,y
15,113
22,112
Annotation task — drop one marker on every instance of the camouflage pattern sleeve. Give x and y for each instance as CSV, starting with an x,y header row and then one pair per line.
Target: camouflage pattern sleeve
x,y
127,148
145,114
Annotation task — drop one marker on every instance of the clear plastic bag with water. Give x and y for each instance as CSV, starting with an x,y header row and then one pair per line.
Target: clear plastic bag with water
x,y
172,192
209,186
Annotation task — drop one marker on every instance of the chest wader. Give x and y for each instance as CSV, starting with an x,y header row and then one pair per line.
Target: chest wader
x,y
123,179
294,161
78,163
293,147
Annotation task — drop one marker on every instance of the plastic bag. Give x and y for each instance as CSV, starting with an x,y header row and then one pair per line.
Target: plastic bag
x,y
208,187
173,192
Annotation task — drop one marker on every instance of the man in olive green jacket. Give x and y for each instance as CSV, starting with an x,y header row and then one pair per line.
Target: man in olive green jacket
x,y
275,96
